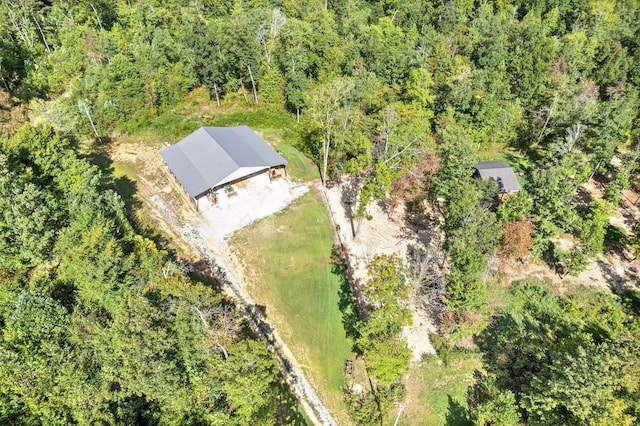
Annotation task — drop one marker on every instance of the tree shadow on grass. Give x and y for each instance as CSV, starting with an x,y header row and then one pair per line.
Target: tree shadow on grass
x,y
632,299
346,302
201,272
123,185
456,414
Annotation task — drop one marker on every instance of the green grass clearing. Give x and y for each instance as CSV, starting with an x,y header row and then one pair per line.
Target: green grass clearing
x,y
199,109
290,274
438,392
299,167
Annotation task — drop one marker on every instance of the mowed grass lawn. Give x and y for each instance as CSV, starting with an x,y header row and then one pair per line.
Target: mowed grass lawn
x,y
289,273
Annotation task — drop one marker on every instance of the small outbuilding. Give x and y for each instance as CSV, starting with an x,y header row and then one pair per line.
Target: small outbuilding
x,y
212,158
499,172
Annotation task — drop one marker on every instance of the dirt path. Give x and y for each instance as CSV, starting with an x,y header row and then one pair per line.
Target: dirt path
x,y
187,229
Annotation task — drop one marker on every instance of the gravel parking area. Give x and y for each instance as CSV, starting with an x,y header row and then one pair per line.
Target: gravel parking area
x,y
254,199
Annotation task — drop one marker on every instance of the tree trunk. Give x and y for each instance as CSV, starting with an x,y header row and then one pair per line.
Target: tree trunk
x,y
97,17
244,91
93,126
595,169
215,89
253,83
399,411
325,157
4,82
44,39
555,100
355,234
224,351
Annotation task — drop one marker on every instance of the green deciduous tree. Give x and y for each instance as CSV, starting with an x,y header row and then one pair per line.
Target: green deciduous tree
x,y
385,51
594,226
549,361
529,57
456,159
30,221
386,295
514,207
37,323
490,405
570,262
551,192
472,231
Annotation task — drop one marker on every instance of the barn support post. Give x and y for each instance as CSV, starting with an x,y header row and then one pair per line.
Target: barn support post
x,y
213,196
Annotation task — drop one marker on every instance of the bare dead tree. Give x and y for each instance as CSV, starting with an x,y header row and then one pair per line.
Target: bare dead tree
x,y
22,33
573,136
97,16
332,110
4,82
429,269
44,39
253,83
220,325
215,88
175,267
493,262
84,106
549,110
267,36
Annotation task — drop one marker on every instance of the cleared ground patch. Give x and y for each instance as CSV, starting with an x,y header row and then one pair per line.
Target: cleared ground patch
x,y
287,265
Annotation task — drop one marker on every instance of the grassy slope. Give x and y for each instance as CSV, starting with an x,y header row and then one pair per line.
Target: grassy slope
x,y
291,276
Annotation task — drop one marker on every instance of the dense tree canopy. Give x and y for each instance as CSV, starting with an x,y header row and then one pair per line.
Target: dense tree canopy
x,y
552,360
381,80
94,328
404,96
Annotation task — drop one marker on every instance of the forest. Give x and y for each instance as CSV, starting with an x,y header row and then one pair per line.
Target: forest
x,y
101,324
98,324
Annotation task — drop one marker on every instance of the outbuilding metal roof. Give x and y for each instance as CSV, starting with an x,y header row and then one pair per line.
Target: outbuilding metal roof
x,y
501,173
214,156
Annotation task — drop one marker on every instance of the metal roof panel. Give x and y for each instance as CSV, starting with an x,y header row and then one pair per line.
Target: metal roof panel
x,y
211,155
